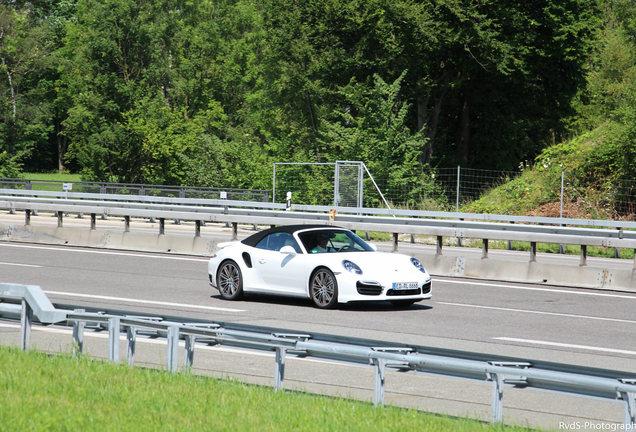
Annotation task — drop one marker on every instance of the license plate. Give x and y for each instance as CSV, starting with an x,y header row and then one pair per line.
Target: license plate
x,y
404,285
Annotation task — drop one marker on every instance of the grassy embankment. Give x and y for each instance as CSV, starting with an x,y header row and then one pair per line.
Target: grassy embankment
x,y
42,392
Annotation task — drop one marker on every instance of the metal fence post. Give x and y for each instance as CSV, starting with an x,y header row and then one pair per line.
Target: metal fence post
x,y
131,342
114,326
533,251
173,349
484,249
279,376
26,319
583,261
458,177
629,411
78,335
496,413
378,384
189,353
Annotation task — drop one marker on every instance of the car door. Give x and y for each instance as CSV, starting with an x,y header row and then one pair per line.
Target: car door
x,y
281,273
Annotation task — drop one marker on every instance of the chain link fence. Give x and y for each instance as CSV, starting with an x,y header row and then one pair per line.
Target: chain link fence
x,y
453,189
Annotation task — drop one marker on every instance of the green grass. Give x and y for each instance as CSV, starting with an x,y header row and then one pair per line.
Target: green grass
x,y
51,393
53,176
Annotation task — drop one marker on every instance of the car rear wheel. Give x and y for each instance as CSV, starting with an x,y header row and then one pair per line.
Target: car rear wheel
x,y
324,289
230,281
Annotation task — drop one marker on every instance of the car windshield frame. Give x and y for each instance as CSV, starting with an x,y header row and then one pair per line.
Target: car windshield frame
x,y
338,241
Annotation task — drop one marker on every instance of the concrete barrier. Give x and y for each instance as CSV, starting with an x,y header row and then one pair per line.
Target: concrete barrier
x,y
531,272
438,265
110,239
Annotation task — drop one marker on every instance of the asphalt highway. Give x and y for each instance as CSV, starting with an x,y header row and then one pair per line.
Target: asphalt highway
x,y
583,327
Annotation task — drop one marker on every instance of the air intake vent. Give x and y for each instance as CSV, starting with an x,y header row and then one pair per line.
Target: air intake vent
x,y
247,259
397,293
369,288
426,288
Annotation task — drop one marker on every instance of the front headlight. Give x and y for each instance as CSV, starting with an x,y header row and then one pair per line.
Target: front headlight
x,y
418,265
351,267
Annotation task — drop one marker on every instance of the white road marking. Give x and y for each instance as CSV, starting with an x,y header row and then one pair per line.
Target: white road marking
x,y
563,345
539,312
588,293
105,252
149,302
20,265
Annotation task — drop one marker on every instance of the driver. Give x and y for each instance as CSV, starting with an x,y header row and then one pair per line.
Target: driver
x,y
322,245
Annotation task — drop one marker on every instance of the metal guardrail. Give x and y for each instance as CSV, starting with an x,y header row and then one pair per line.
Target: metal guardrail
x,y
138,189
580,232
602,384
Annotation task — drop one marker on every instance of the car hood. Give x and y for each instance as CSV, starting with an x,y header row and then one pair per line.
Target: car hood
x,y
373,262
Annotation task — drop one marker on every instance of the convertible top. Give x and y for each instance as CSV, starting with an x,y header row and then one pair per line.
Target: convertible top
x,y
255,238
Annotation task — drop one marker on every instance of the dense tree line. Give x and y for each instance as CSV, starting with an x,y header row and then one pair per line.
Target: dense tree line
x,y
212,92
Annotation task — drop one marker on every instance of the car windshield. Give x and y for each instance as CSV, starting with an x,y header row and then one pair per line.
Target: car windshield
x,y
321,241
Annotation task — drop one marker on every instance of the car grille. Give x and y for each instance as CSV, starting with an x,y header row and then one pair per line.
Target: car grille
x,y
426,288
396,293
369,288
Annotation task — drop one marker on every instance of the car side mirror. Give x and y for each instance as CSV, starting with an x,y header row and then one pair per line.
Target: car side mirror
x,y
374,247
288,250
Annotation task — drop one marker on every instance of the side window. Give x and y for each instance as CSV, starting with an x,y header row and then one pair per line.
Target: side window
x,y
263,243
276,241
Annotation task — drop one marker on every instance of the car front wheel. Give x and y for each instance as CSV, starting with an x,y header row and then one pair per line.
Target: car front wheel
x,y
324,289
230,281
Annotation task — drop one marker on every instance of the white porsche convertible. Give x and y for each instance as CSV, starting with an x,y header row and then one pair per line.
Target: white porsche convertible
x,y
330,265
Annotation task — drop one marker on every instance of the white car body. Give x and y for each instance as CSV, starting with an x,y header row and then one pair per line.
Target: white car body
x,y
289,270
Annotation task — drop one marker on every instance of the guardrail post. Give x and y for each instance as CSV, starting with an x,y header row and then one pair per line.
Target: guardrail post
x,y
114,327
60,219
438,250
234,231
484,249
162,226
197,228
173,349
279,376
93,221
533,251
510,241
126,223
496,413
26,319
131,342
629,411
378,384
395,242
78,335
583,256
189,353
27,217
459,238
